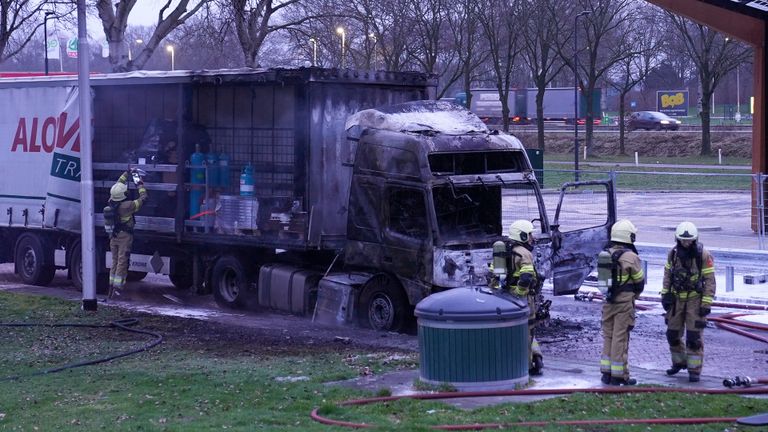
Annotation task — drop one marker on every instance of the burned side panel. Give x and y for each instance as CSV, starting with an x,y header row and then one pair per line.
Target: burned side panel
x,y
331,154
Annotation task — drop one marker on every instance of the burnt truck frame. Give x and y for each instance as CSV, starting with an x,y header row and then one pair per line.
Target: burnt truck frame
x,y
355,217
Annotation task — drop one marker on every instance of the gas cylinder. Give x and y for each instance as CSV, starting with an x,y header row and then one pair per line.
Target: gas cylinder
x,y
197,179
604,271
499,258
223,170
212,168
246,181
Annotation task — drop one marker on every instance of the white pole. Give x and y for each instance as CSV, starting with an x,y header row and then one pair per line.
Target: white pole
x,y
86,163
738,97
720,156
585,152
637,161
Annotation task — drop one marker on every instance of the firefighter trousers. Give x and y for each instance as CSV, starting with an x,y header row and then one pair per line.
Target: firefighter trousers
x,y
533,345
618,320
684,320
120,246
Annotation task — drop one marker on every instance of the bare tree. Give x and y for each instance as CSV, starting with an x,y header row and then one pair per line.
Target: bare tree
x,y
630,71
542,34
499,20
19,21
714,56
605,44
466,54
114,20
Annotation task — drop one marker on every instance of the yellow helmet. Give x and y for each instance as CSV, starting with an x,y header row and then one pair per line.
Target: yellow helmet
x,y
686,231
117,193
623,231
521,230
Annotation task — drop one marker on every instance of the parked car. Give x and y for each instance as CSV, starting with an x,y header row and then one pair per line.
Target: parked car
x,y
652,120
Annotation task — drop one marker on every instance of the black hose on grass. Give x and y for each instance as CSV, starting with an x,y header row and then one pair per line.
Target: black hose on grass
x,y
121,324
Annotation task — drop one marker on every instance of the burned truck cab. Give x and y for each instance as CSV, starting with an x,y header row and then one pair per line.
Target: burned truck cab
x,y
432,189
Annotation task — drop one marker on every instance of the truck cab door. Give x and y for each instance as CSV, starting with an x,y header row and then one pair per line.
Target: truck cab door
x,y
406,232
581,229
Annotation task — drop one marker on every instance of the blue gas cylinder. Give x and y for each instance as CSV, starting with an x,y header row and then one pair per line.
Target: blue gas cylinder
x,y
246,181
224,170
197,179
212,164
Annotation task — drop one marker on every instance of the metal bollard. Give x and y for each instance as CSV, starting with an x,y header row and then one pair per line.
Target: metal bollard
x,y
729,279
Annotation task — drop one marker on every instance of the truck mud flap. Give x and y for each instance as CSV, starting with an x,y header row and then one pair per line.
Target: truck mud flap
x,y
336,298
145,263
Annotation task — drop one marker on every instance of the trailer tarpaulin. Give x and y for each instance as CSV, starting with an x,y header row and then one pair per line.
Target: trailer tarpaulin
x,y
40,133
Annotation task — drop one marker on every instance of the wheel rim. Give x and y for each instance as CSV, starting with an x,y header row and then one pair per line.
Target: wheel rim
x,y
29,263
228,285
381,312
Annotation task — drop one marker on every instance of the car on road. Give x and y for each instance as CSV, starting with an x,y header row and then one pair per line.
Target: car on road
x,y
652,120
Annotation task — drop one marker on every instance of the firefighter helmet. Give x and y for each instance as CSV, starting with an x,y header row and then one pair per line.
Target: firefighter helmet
x,y
623,231
117,193
686,231
521,231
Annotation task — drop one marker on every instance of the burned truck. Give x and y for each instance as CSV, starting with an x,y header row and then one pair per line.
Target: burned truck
x,y
348,196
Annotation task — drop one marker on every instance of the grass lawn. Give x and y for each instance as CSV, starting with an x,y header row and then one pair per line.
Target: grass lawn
x,y
681,160
206,376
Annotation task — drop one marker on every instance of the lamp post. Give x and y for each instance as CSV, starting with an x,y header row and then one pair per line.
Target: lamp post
x,y
130,55
313,41
576,94
45,30
340,31
169,48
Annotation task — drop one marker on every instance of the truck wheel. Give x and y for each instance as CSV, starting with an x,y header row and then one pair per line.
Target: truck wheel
x,y
231,282
383,305
135,276
34,261
76,272
181,274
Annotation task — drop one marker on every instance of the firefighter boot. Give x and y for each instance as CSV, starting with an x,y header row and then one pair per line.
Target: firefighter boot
x,y
623,382
694,377
675,369
537,366
606,378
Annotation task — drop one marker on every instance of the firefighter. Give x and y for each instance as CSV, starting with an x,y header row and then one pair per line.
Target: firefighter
x,y
121,239
523,281
686,295
618,316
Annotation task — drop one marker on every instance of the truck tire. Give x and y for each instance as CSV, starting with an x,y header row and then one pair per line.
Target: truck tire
x,y
76,272
231,281
135,276
34,261
383,305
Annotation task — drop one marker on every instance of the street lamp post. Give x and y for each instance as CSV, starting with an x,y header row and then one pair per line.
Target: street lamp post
x,y
340,31
170,49
313,41
576,94
45,30
138,42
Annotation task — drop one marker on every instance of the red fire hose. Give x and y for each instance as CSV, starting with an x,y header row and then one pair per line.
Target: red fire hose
x,y
540,392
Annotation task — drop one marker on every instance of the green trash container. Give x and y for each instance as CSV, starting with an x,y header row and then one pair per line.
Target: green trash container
x,y
473,338
536,157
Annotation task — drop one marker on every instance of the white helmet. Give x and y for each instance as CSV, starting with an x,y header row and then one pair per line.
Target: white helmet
x,y
521,230
117,193
686,231
623,231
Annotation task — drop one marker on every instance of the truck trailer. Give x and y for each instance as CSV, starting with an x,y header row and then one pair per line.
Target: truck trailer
x,y
345,195
558,105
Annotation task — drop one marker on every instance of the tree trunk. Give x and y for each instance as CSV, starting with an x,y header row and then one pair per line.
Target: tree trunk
x,y
588,126
706,143
505,114
540,116
622,98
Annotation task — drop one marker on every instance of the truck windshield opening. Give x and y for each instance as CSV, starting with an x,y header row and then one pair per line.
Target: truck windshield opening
x,y
468,213
469,163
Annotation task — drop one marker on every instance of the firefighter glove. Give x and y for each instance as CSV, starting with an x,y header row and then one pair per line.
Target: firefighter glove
x,y
667,301
704,311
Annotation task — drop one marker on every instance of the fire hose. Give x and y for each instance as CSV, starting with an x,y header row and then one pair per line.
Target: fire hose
x,y
316,416
121,324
